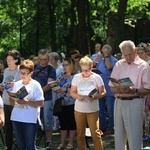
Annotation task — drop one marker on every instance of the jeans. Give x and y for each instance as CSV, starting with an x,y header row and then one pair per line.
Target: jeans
x,y
25,134
48,115
92,119
106,105
8,127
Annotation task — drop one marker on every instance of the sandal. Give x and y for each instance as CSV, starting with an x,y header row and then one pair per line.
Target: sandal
x,y
69,146
60,147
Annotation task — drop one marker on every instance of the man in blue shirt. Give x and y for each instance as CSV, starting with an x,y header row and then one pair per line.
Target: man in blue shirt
x,y
106,104
45,73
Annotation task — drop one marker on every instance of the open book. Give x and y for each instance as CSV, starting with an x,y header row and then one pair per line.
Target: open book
x,y
20,94
126,82
93,92
54,85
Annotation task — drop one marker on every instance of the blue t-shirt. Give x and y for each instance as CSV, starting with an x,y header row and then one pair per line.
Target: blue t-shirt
x,y
105,73
42,78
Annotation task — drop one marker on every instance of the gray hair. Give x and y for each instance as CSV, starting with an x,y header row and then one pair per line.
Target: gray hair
x,y
54,55
127,44
43,51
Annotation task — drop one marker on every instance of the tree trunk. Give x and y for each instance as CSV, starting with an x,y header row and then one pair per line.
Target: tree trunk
x,y
82,26
52,25
115,33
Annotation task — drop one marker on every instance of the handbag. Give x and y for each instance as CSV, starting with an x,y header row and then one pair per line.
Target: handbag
x,y
58,106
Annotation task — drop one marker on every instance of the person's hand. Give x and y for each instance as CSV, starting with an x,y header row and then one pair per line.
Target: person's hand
x,y
90,98
22,101
9,84
105,52
1,123
81,98
12,101
125,89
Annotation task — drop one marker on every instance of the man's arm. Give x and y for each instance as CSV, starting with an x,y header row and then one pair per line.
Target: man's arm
x,y
129,90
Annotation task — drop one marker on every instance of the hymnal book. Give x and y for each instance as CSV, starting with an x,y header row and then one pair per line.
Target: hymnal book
x,y
20,94
54,85
125,82
93,92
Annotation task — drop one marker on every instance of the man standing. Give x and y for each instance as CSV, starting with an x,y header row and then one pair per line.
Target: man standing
x,y
129,103
106,104
44,73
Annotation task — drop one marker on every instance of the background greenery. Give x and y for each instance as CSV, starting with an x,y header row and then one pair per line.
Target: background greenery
x,y
62,25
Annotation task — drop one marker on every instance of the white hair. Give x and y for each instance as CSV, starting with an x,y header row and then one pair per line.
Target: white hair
x,y
127,44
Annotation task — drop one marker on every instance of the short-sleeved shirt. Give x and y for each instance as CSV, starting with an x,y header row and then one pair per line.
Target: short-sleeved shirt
x,y
138,71
43,76
105,73
27,113
9,76
84,86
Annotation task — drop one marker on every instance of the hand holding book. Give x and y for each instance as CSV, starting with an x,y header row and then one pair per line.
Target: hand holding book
x,y
124,82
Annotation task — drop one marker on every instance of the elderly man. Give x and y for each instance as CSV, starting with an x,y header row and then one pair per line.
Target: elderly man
x,y
106,104
129,103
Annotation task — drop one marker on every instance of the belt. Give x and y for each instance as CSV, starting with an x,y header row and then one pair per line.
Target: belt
x,y
129,98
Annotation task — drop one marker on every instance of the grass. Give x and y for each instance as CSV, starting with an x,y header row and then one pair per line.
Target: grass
x,y
108,142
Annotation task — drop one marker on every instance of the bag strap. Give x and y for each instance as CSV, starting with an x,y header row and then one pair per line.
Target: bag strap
x,y
38,72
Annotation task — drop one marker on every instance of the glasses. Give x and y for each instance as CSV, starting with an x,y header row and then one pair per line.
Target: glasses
x,y
24,73
43,59
65,65
86,70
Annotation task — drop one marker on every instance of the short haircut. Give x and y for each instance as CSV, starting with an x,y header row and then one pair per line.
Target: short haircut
x,y
27,64
54,55
128,44
86,61
43,51
15,54
143,46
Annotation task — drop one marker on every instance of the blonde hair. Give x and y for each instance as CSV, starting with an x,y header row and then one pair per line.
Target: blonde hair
x,y
86,61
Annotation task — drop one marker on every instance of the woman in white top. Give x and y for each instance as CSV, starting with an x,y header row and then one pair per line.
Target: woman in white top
x,y
25,114
86,106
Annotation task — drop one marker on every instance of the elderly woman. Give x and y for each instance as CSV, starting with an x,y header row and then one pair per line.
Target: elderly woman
x,y
86,104
142,50
25,114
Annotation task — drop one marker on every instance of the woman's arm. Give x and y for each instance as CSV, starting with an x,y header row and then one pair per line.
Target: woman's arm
x,y
2,118
31,103
73,93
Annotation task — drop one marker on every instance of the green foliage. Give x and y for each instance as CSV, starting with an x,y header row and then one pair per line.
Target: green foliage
x,y
25,25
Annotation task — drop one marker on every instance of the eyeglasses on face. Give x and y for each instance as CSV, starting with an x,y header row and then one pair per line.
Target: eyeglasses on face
x,y
24,73
43,59
86,70
65,65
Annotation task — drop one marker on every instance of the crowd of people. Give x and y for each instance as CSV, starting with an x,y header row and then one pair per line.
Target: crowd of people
x,y
111,109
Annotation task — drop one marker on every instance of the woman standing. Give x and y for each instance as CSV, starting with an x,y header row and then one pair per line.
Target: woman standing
x,y
25,114
86,106
11,75
66,118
